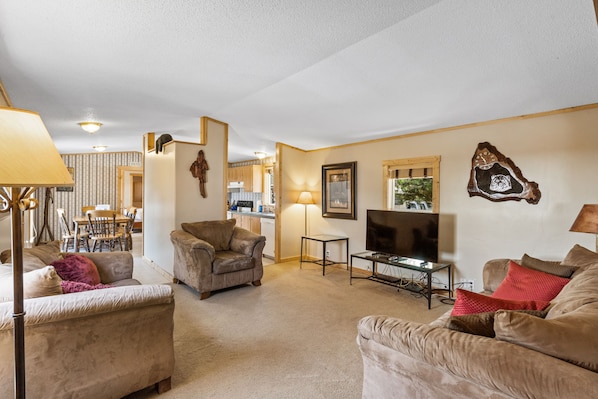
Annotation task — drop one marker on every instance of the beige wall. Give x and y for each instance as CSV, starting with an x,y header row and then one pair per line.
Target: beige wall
x,y
172,196
558,151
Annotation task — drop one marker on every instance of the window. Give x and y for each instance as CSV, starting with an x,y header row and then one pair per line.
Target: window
x,y
412,184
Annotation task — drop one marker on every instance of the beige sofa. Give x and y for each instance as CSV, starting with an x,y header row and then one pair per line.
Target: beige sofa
x,y
103,343
530,357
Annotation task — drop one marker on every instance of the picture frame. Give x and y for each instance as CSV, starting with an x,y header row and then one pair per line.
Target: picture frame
x,y
68,188
338,190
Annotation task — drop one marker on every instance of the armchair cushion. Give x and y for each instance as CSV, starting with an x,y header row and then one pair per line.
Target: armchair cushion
x,y
229,261
216,232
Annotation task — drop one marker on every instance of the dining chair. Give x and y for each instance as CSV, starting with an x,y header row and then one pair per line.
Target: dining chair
x,y
104,230
131,213
68,234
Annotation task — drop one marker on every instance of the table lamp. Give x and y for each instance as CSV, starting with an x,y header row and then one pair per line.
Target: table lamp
x,y
29,160
587,221
305,198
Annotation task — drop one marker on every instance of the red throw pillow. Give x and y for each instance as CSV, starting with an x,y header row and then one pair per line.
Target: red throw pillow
x,y
77,268
523,284
75,286
468,302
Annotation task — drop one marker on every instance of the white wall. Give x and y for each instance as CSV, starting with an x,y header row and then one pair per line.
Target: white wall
x,y
172,195
557,151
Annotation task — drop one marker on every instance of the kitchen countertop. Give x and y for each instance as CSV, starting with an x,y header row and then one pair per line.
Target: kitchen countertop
x,y
256,214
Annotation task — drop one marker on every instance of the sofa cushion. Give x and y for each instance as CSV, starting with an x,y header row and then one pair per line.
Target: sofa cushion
x,y
482,323
36,257
580,257
216,232
580,291
523,284
569,337
77,268
36,283
229,261
552,267
76,286
468,302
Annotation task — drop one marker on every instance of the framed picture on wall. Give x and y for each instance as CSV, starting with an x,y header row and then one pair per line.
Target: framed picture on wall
x,y
338,190
68,188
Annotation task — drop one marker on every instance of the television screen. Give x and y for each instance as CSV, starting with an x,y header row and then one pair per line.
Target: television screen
x,y
408,234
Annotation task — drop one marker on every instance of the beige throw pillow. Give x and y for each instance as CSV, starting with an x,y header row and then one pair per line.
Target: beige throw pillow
x,y
580,257
550,267
571,337
36,283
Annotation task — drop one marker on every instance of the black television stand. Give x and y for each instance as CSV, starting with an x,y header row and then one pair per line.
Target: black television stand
x,y
428,268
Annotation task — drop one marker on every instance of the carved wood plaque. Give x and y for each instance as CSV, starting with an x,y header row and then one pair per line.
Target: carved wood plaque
x,y
495,177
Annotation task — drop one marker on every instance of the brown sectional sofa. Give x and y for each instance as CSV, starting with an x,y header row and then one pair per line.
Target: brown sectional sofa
x,y
530,357
103,343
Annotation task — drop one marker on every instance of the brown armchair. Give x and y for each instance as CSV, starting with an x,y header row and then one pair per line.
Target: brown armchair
x,y
213,255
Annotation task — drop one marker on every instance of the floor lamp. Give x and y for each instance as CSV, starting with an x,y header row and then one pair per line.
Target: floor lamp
x,y
587,221
29,160
306,199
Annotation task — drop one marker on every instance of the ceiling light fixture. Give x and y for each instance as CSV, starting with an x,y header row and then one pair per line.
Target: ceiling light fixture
x,y
90,127
100,148
260,154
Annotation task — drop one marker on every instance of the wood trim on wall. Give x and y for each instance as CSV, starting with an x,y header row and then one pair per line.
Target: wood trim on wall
x,y
4,98
465,126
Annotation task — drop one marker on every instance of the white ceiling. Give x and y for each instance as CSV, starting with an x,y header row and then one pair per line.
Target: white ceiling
x,y
308,73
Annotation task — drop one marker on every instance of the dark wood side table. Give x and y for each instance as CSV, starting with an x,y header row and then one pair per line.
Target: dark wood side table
x,y
324,239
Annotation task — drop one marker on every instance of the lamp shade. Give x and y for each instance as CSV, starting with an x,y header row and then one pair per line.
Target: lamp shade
x,y
29,157
587,220
305,198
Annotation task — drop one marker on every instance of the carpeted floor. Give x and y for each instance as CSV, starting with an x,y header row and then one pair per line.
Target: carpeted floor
x,y
293,337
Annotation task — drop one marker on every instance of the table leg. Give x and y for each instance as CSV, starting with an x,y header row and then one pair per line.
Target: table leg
x,y
76,243
347,254
324,258
429,290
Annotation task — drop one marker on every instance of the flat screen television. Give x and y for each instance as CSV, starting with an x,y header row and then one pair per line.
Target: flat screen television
x,y
409,234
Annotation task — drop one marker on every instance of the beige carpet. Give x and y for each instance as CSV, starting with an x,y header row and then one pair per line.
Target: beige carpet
x,y
293,337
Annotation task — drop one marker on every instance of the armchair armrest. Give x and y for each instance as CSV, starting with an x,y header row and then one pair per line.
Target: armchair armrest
x,y
245,241
189,242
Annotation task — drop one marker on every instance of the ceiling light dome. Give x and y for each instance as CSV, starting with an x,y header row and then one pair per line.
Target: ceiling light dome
x,y
90,127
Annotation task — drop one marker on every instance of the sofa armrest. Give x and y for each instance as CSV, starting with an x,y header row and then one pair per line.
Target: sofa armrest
x,y
494,272
112,266
496,365
245,241
182,239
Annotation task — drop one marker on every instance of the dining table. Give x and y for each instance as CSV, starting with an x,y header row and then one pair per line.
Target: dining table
x,y
82,221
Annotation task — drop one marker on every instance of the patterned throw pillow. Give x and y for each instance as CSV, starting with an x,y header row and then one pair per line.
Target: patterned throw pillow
x,y
77,268
75,286
468,302
523,284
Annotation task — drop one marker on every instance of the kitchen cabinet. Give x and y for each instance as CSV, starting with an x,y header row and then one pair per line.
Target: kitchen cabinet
x,y
250,175
248,222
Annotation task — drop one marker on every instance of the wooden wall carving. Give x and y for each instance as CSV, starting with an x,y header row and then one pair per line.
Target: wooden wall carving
x,y
496,178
